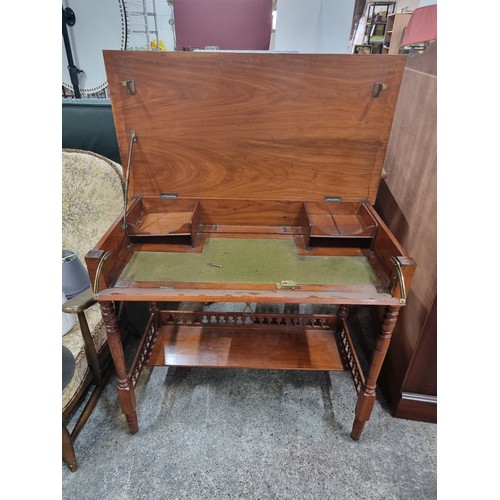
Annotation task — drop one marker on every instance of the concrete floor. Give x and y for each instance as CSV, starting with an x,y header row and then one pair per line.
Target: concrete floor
x,y
256,434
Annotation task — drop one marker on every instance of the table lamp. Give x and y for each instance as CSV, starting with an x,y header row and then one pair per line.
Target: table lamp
x,y
75,278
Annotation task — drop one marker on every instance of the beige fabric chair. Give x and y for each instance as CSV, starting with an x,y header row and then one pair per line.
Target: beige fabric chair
x,y
92,199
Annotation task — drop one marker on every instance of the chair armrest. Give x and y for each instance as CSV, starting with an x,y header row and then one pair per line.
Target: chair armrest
x,y
79,302
77,305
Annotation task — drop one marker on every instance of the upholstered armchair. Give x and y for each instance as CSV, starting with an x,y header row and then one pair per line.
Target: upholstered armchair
x,y
92,199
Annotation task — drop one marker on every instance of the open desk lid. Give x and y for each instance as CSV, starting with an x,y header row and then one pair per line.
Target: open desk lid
x,y
258,126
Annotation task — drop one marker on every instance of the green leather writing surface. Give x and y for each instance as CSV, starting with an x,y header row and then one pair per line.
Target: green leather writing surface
x,y
242,260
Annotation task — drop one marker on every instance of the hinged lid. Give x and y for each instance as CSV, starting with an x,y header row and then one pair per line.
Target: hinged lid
x,y
254,125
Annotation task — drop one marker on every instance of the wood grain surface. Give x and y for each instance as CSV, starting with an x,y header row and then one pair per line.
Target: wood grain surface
x,y
246,347
256,126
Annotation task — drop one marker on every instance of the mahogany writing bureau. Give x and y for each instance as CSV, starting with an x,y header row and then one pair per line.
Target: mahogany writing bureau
x,y
250,178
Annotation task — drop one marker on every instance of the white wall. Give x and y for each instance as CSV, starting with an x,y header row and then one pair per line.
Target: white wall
x,y
335,26
411,5
313,26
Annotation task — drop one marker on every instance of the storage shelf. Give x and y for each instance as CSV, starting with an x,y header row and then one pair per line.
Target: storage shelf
x,y
164,224
396,24
246,346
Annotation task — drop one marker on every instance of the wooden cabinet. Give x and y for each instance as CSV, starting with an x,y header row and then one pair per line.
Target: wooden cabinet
x,y
407,203
396,23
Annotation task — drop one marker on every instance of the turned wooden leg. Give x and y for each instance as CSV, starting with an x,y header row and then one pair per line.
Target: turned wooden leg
x,y
366,397
68,452
126,392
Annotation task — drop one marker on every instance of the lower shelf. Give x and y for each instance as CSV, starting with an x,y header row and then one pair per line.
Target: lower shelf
x,y
246,347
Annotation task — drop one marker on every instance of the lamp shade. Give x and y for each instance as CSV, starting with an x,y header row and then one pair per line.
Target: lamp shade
x,y
68,320
422,26
75,278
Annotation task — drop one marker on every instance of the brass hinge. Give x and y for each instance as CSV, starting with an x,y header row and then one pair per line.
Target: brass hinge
x,y
377,88
287,285
130,84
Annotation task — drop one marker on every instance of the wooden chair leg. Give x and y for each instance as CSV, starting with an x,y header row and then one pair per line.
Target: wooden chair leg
x,y
68,451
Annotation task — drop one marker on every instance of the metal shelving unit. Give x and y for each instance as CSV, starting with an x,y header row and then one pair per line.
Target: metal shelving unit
x,y
376,24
